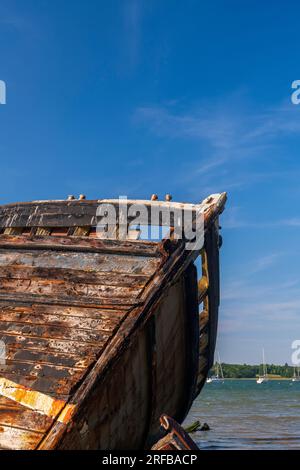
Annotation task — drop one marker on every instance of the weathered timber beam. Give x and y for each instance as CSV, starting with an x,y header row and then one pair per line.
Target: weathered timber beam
x,y
84,213
93,245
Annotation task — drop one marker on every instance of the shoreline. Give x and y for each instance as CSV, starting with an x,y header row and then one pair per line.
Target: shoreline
x,y
255,378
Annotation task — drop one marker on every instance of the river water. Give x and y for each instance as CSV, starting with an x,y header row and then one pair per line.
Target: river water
x,y
245,415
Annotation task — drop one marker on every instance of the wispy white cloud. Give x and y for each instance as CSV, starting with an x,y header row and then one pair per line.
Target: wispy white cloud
x,y
211,125
243,287
292,222
223,128
250,315
267,305
235,223
229,135
264,262
234,218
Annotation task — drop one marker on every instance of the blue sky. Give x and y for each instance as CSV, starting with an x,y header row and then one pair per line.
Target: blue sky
x,y
133,97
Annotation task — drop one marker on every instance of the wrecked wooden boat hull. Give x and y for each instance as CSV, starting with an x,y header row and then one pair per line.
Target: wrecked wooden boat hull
x,y
102,335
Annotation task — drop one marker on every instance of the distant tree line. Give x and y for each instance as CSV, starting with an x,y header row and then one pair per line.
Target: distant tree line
x,y
246,371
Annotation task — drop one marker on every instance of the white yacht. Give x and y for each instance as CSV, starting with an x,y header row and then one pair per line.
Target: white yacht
x,y
264,377
296,376
218,376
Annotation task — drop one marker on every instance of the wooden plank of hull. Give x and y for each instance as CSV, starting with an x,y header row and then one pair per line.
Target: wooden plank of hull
x,y
84,213
89,262
73,276
21,342
19,416
47,358
74,243
102,302
78,213
61,289
12,438
13,315
18,264
54,332
108,317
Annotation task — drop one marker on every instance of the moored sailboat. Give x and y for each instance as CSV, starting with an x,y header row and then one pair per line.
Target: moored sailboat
x,y
218,376
296,376
264,377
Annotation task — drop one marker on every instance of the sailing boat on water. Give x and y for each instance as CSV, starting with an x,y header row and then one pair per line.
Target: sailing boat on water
x,y
219,376
264,377
296,376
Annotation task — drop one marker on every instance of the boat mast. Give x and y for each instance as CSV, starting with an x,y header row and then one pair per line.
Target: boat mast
x,y
264,364
220,365
217,369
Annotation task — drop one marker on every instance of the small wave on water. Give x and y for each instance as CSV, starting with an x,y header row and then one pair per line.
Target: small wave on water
x,y
244,415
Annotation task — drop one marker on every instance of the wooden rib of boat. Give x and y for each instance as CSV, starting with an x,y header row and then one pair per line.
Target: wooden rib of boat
x,y
102,335
175,439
